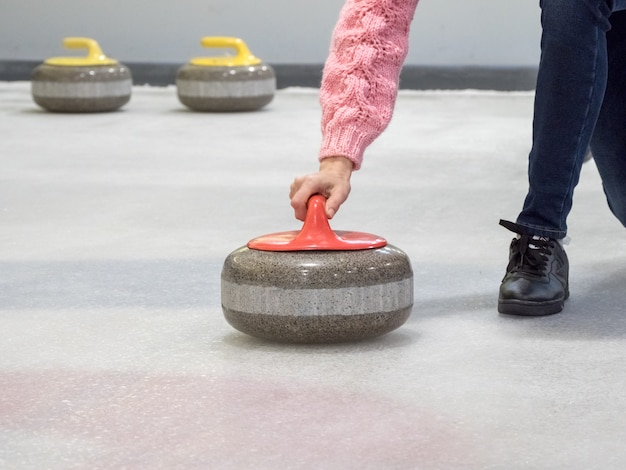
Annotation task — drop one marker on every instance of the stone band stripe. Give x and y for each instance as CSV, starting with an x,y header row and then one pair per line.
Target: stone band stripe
x,y
75,90
226,89
270,300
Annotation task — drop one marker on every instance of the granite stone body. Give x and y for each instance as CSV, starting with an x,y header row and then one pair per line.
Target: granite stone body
x,y
81,89
317,296
223,88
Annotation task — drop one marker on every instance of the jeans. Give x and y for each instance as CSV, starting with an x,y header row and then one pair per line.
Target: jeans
x,y
580,102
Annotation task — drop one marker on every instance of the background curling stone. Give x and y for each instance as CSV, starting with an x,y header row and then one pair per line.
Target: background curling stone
x,y
316,285
94,83
230,83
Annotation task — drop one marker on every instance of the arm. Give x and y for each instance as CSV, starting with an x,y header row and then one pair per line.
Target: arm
x,y
357,94
361,74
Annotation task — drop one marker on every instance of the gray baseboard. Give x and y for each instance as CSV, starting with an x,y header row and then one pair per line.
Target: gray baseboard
x,y
304,75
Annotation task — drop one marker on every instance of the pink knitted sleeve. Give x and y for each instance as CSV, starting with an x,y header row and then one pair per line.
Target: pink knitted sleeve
x,y
360,80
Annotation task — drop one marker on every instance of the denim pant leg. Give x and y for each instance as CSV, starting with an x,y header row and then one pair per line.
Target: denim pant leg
x,y
570,89
608,143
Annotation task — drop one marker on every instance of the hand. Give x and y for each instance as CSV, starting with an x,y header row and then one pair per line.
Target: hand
x,y
331,181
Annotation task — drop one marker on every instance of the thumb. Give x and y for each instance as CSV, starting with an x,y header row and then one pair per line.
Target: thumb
x,y
332,205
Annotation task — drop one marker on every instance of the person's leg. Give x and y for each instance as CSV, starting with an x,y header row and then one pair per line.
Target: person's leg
x,y
608,143
569,94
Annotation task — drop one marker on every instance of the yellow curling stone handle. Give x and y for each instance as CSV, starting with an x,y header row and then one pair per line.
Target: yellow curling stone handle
x,y
243,57
94,56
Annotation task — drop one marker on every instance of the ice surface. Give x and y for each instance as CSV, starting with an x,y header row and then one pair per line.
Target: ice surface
x,y
115,353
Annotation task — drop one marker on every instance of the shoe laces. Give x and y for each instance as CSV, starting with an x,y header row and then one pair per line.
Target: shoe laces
x,y
532,254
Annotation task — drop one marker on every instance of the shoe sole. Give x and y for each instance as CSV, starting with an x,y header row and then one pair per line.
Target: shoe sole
x,y
530,309
533,309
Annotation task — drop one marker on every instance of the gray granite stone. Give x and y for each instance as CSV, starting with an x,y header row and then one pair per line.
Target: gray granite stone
x,y
81,89
317,296
224,89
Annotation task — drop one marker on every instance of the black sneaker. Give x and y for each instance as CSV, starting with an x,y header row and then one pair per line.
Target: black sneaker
x,y
536,279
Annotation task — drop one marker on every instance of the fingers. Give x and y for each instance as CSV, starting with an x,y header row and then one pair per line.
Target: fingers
x,y
334,190
301,191
295,185
332,181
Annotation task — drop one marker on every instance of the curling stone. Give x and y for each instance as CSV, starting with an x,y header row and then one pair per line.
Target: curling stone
x,y
317,285
230,83
94,83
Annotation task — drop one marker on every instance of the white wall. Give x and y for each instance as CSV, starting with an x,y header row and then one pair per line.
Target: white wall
x,y
445,32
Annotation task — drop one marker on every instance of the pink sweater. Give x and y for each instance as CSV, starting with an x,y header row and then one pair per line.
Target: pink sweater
x,y
361,74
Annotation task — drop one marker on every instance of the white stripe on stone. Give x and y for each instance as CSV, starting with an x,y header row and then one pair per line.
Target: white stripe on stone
x,y
81,89
270,300
226,89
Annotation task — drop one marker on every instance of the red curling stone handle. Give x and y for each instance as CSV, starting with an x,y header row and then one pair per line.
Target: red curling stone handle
x,y
316,234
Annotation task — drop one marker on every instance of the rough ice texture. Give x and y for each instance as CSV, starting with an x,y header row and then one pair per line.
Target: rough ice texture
x,y
361,74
